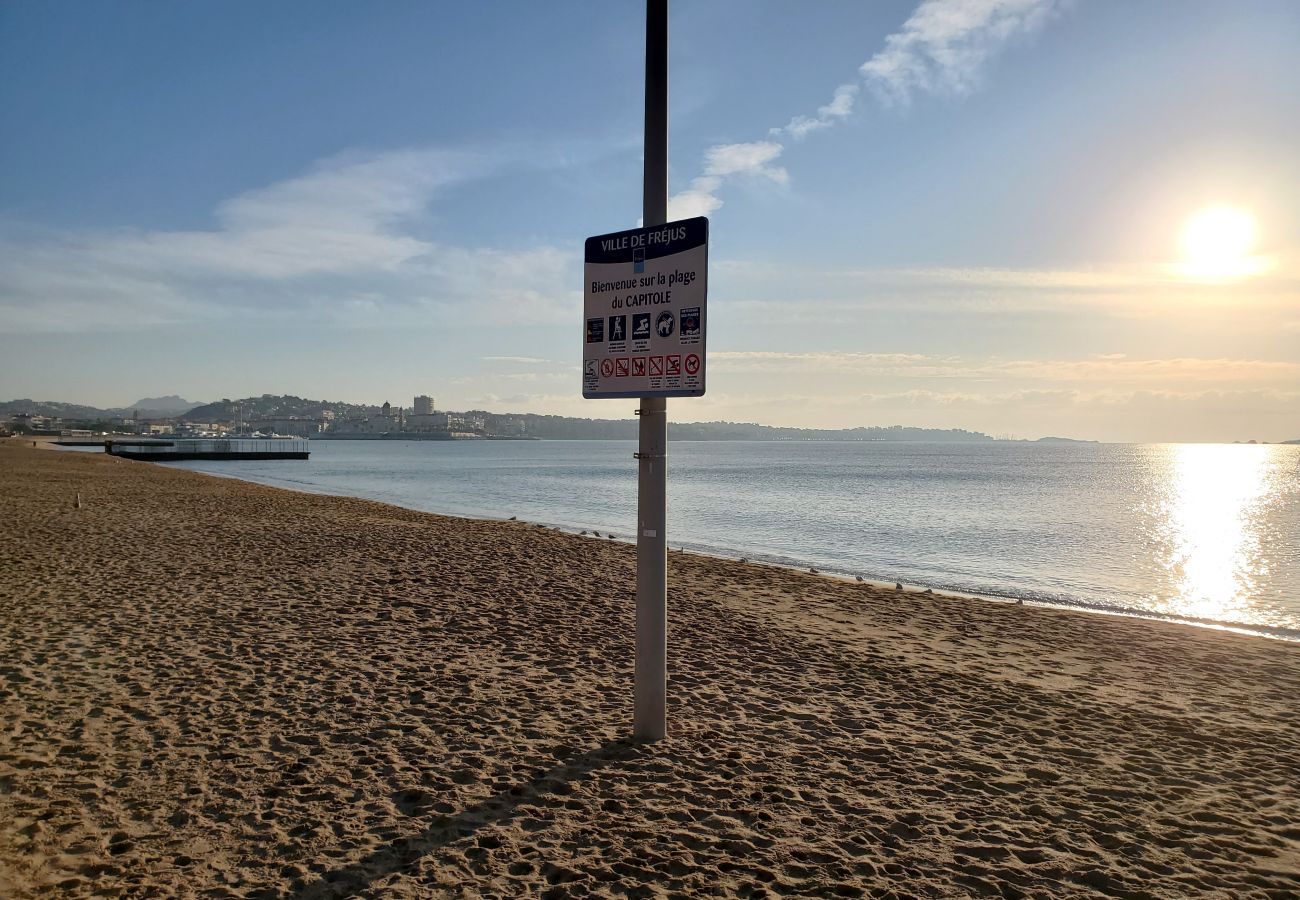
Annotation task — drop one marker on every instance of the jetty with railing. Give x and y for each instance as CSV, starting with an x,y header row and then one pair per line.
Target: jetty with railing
x,y
210,448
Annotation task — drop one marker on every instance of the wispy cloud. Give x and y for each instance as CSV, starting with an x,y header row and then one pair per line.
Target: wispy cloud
x,y
759,291
840,106
337,242
340,216
1115,369
941,48
945,43
753,159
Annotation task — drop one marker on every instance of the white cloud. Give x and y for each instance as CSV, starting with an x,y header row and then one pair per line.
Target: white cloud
x,y
940,48
762,292
334,244
823,361
841,106
944,43
700,200
1113,370
1164,373
339,217
751,159
745,159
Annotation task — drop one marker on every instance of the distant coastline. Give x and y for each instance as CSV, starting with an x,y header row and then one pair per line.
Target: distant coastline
x,y
417,436
336,420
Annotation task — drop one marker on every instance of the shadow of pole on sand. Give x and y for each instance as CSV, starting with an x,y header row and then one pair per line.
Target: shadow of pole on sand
x,y
404,852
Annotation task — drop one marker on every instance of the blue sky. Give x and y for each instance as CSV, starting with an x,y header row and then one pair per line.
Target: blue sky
x,y
962,213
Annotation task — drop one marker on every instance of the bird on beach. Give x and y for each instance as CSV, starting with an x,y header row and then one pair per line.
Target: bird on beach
x,y
859,578
812,571
929,590
514,518
898,585
744,559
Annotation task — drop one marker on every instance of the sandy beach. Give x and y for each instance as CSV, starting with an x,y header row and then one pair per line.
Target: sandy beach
x,y
218,689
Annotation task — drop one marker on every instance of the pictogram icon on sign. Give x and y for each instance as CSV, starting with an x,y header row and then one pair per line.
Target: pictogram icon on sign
x,y
664,324
674,364
656,365
641,327
692,364
591,368
620,367
607,367
691,322
638,366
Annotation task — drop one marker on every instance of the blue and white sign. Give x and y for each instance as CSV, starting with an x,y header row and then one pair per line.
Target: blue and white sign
x,y
644,311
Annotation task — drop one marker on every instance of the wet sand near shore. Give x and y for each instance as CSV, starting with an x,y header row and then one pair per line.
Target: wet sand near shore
x,y
222,689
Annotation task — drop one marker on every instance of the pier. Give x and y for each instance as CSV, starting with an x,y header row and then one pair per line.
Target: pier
x,y
210,448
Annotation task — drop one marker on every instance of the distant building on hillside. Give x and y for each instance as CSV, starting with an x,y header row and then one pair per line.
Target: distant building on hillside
x,y
367,425
426,423
203,429
296,425
423,405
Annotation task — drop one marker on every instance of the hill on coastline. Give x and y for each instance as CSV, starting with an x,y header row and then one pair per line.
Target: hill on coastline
x,y
288,406
171,405
273,406
147,407
269,406
562,428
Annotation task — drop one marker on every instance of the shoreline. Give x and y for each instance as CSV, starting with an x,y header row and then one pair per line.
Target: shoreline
x,y
303,695
1007,595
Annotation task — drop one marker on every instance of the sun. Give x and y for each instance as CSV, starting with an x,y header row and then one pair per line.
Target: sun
x,y
1217,242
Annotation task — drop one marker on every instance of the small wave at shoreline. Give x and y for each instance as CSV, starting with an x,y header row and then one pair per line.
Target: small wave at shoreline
x,y
992,593
999,594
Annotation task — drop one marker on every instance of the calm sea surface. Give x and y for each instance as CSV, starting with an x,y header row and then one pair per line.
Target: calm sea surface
x,y
1198,531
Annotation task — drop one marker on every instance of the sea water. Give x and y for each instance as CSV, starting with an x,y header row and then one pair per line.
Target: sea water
x,y
1200,532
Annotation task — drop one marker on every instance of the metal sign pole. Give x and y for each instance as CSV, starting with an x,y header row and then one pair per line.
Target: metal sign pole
x,y
650,721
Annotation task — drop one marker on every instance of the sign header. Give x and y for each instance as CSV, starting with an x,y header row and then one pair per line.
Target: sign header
x,y
647,243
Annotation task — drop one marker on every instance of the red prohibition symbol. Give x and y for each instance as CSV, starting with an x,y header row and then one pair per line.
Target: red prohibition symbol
x,y
607,367
692,364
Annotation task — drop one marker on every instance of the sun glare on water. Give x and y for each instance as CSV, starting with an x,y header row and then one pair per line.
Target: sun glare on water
x,y
1216,494
1217,244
